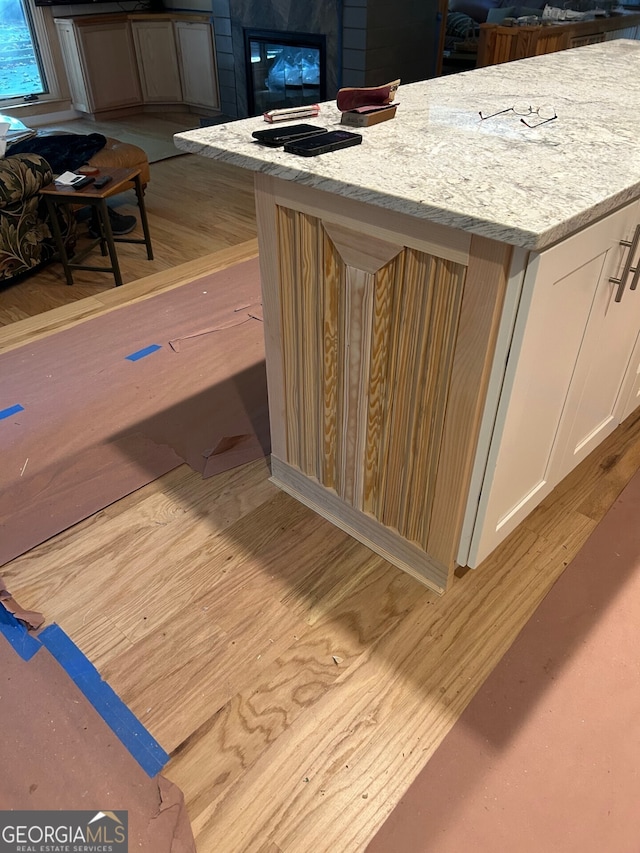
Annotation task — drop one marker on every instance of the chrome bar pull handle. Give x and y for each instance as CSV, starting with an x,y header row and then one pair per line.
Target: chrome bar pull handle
x,y
622,281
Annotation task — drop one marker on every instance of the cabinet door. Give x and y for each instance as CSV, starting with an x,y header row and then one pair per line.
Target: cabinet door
x,y
109,64
596,403
632,385
197,64
559,294
73,66
157,61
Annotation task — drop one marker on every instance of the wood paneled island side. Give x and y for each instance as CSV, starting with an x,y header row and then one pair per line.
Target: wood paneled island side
x,y
417,399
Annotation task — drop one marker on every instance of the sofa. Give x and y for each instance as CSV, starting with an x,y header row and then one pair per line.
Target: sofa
x,y
465,16
26,241
479,12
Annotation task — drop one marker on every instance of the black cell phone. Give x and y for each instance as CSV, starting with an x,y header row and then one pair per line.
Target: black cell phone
x,y
277,136
334,140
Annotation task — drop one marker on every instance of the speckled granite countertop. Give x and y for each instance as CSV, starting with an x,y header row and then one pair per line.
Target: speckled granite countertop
x,y
437,161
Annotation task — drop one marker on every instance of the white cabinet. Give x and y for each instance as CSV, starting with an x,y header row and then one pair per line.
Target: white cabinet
x,y
176,60
596,402
100,61
632,389
571,373
197,64
117,61
157,61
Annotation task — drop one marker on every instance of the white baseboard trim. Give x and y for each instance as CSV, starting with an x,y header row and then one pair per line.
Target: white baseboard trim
x,y
51,118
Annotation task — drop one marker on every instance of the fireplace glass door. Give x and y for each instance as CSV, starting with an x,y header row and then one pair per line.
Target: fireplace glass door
x,y
284,70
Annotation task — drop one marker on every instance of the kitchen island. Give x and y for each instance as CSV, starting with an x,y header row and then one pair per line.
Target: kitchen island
x,y
451,308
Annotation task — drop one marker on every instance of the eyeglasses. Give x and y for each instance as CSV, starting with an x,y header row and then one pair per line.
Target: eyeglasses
x,y
546,113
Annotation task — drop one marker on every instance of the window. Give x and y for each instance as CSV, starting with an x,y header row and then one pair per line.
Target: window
x,y
21,69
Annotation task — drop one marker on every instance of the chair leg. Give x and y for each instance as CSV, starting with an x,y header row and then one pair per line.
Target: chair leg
x,y
57,235
98,229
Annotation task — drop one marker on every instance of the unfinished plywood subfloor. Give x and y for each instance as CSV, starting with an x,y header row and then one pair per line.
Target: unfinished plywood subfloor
x,y
95,422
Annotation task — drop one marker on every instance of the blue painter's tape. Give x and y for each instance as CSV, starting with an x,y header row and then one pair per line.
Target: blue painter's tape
x,y
144,748
141,353
12,410
16,633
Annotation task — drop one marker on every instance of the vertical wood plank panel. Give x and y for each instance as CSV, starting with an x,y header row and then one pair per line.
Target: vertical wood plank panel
x,y
270,279
402,390
309,368
395,335
290,331
319,355
414,405
331,396
448,289
342,357
475,341
421,448
357,337
379,381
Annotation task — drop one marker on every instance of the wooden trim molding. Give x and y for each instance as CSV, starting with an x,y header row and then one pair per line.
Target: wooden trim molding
x,y
377,222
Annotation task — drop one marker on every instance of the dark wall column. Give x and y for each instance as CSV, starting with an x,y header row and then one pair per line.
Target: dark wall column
x,y
383,40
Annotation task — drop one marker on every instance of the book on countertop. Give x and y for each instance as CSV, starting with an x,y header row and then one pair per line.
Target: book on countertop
x,y
366,116
351,98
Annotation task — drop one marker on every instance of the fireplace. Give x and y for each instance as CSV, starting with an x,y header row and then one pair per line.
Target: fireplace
x,y
284,69
361,43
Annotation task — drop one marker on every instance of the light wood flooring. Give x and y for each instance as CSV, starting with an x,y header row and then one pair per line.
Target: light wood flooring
x,y
298,680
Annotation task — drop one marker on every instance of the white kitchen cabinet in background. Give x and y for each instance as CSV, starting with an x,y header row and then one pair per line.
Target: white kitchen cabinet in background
x,y
197,64
157,61
176,60
100,61
122,62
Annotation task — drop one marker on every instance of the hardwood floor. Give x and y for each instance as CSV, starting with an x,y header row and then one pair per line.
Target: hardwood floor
x,y
298,680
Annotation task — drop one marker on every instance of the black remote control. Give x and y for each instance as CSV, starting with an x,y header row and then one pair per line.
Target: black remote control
x,y
86,180
102,181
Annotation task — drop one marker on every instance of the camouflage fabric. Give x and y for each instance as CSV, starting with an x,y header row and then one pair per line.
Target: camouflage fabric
x,y
26,240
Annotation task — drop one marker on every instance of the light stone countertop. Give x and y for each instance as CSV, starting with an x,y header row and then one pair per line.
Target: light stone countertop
x,y
438,161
